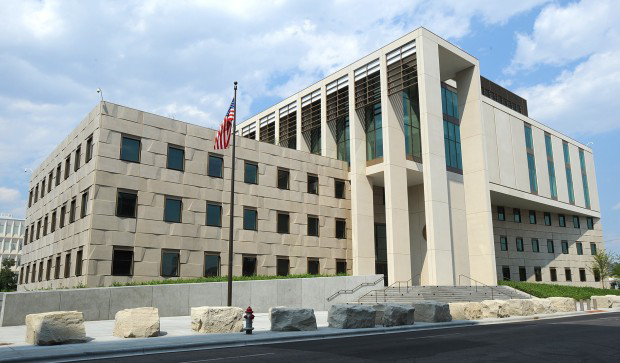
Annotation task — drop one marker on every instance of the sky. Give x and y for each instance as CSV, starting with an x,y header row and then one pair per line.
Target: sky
x,y
179,59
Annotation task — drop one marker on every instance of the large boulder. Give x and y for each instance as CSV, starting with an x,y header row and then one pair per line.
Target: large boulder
x,y
57,327
395,315
519,307
541,306
217,319
606,302
614,301
137,323
494,309
292,319
351,316
466,310
562,304
432,311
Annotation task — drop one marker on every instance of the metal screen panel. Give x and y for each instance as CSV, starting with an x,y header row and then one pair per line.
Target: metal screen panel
x,y
337,99
288,125
268,128
311,111
402,70
367,85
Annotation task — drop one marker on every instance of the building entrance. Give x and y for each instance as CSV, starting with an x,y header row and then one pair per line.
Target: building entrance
x,y
381,252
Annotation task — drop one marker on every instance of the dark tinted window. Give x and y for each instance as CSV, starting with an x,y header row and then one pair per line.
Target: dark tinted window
x,y
122,262
550,246
250,174
503,243
250,219
339,187
68,265
547,219
562,220
313,267
126,204
535,245
569,274
78,155
170,263
249,266
172,210
72,210
283,179
214,215
582,274
313,226
84,206
579,248
517,215
176,158
553,274
313,184
130,149
283,223
282,267
78,263
215,166
212,265
506,273
532,217
89,148
593,248
341,228
565,247
538,273
501,214
341,267
519,244
576,222
590,222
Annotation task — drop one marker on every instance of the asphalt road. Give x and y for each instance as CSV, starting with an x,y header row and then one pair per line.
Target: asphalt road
x,y
590,338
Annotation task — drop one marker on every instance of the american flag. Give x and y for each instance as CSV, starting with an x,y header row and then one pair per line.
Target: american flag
x,y
222,139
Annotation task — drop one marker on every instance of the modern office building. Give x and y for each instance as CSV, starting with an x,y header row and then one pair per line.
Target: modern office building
x,y
405,162
11,238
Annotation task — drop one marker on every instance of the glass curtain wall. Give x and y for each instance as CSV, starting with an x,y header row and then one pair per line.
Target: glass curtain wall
x,y
411,113
451,129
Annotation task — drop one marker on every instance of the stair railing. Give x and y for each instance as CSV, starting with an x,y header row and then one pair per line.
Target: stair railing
x,y
494,291
355,289
406,285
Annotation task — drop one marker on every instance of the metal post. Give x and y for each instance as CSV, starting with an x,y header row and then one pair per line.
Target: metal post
x,y
232,204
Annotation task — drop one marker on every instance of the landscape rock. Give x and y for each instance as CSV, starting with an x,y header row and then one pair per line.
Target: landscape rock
x,y
351,316
466,310
562,304
56,327
605,302
137,323
541,306
395,315
519,307
430,311
217,319
292,319
494,309
614,301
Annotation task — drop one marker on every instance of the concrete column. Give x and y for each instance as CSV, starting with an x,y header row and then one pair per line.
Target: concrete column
x,y
362,208
476,178
439,257
328,143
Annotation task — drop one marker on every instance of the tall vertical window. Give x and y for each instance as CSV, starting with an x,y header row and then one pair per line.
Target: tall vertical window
x,y
590,222
173,208
68,265
503,243
582,274
282,222
30,198
532,217
78,156
569,274
84,206
89,148
313,226
58,171
522,273
283,179
584,178
341,228
550,246
579,248
67,167
411,116
517,215
176,158
215,167
130,149
57,268
551,167
42,187
311,120
337,112
519,244
212,264
535,245
49,181
45,225
569,173
63,213
553,275
72,210
547,218
593,248
343,142
339,189
214,214
374,132
501,214
538,273
562,220
250,219
313,184
451,128
565,247
368,101
78,263
250,173
576,223
531,162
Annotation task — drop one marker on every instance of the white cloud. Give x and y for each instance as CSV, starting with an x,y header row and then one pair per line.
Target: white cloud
x,y
616,207
8,195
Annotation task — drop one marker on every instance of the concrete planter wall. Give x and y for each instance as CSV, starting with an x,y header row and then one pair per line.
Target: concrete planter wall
x,y
177,300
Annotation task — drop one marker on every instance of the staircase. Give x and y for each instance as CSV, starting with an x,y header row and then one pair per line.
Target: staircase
x,y
409,294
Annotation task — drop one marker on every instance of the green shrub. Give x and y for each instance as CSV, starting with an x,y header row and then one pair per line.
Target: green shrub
x,y
216,279
549,290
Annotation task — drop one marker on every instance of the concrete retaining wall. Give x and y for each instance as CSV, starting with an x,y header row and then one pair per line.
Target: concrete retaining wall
x,y
176,300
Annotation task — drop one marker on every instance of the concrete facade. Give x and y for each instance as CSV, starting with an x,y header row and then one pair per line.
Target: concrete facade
x,y
11,238
410,212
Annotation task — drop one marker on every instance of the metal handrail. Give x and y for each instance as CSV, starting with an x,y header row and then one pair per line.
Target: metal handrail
x,y
483,284
364,284
408,284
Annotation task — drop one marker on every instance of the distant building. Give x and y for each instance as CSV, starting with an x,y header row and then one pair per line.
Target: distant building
x,y
11,238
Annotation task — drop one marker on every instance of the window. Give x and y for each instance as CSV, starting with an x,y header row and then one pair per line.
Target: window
x,y
30,198
38,229
593,248
78,263
33,277
250,174
315,141
590,222
503,243
569,173
551,167
562,220
45,225
341,267
42,188
339,188
63,213
170,263
532,217
89,148
58,168
21,275
452,145
343,139
40,277
212,264
283,179
522,274
538,273
553,273
68,265
49,181
535,245
596,272
248,267
569,274
411,118
341,228
26,235
48,269
122,261
505,273
78,156
172,209
576,222
313,226
67,166
519,244
126,202
283,222
501,214
374,132
547,219
282,266
313,184
176,158
84,206
72,209
584,178
214,214
130,149
565,247
582,274
27,274
57,268
36,193
517,215
531,162
215,166
550,246
579,248
250,219
313,266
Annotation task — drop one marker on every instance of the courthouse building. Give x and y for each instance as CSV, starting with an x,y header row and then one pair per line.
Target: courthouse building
x,y
406,163
11,238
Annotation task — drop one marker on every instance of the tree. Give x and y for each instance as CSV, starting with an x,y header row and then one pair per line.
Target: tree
x,y
8,278
602,263
615,272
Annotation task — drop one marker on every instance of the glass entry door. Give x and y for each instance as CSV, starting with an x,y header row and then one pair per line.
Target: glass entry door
x,y
381,252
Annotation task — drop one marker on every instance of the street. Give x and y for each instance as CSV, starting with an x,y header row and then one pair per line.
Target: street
x,y
584,338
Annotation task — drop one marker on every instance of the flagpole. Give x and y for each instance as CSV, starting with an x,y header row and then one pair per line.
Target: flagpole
x,y
232,204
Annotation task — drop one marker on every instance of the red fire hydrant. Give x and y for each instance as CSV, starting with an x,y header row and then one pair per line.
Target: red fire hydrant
x,y
249,316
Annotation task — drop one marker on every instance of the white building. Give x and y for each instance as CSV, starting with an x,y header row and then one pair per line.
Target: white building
x,y
11,238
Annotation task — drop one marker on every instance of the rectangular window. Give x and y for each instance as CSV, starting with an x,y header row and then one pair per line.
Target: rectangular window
x,y
517,215
501,215
553,274
84,206
26,236
36,193
27,275
89,148
547,219
535,245
569,173
343,139
214,214
250,219
67,166
313,266
582,274
212,264
590,222
283,179
40,271
551,167
538,273
339,188
57,268
130,149
411,118
596,272
45,225
593,248
176,158
283,222
248,267
72,210
250,174
519,244
550,246
68,265
522,273
38,229
170,265
452,146
58,171
313,226
532,217
33,277
565,247
584,178
341,267
122,261
531,162
126,204
313,184
341,228
48,269
576,222
78,263
215,166
30,198
374,131
503,243
579,248
49,181
569,274
173,208
78,156
505,273
562,220
282,268
42,188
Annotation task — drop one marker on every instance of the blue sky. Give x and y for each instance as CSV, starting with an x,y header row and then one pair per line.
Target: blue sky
x,y
179,59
